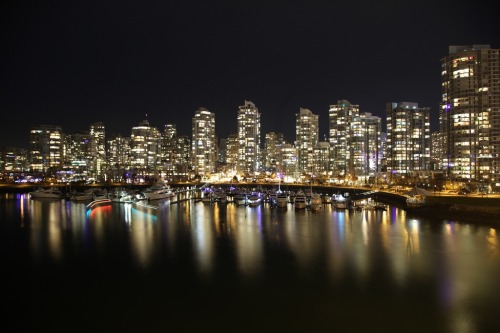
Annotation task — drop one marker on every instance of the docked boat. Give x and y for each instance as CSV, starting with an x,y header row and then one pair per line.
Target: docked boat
x,y
415,201
86,195
339,201
272,199
281,200
416,197
316,202
300,201
326,199
254,199
157,192
145,207
219,195
50,193
240,198
123,195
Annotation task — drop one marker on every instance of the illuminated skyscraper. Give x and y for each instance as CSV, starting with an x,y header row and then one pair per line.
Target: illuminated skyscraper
x,y
77,156
248,139
437,151
145,144
306,138
182,158
119,155
372,156
322,159
408,138
272,143
168,145
355,142
340,118
97,150
287,162
470,113
13,160
232,152
203,144
46,148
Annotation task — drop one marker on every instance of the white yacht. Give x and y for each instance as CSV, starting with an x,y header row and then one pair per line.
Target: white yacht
x,y
156,192
51,193
339,201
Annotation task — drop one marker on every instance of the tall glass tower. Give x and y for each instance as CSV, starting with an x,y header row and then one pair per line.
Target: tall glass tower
x,y
470,114
204,144
306,137
248,139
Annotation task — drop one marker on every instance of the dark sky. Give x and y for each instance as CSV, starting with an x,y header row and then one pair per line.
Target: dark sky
x,y
72,63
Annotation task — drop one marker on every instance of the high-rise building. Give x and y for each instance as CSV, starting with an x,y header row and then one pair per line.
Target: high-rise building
x,y
119,158
306,138
372,156
204,145
340,119
168,145
273,141
248,139
145,145
287,162
322,159
437,151
97,150
77,156
13,160
408,138
470,113
46,148
182,159
222,151
232,152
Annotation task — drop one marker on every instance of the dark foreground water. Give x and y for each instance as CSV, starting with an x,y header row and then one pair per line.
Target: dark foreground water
x,y
191,267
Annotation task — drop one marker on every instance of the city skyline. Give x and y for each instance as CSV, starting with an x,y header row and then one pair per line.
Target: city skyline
x,y
71,65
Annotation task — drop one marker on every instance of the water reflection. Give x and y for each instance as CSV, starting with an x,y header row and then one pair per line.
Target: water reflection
x,y
454,266
246,224
203,237
143,234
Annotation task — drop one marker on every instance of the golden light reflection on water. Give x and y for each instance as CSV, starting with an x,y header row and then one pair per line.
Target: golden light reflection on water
x,y
300,238
47,234
458,260
142,235
466,271
246,232
339,242
203,237
492,243
22,200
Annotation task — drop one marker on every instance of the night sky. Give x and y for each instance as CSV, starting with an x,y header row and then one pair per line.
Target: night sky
x,y
72,63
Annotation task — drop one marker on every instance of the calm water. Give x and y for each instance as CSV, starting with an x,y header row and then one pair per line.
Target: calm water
x,y
192,267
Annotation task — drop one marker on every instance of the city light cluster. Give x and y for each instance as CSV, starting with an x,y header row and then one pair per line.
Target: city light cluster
x,y
465,150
